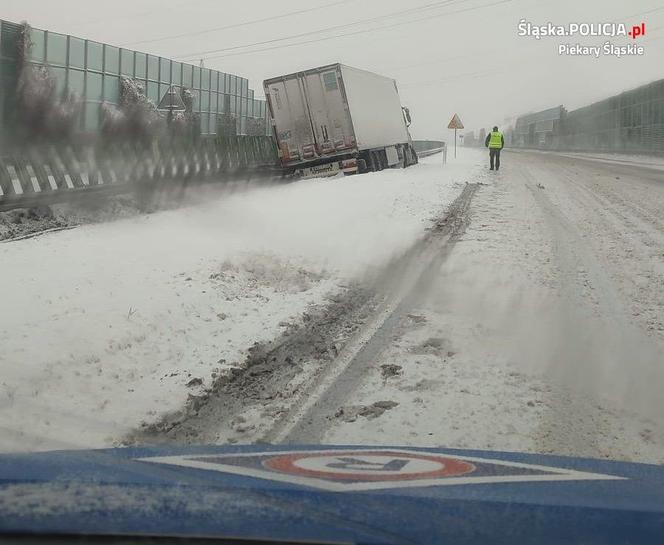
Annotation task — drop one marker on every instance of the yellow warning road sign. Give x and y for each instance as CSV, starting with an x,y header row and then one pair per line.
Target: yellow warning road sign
x,y
455,123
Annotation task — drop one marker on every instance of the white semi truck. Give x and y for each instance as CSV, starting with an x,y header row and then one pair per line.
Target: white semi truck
x,y
337,118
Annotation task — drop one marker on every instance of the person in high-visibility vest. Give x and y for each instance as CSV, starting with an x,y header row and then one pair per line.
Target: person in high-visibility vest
x,y
495,141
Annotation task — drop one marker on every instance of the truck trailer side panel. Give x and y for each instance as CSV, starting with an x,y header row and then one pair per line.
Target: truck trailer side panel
x,y
375,109
310,114
329,110
291,117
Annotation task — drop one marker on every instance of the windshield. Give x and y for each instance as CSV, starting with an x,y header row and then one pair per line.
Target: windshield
x,y
378,224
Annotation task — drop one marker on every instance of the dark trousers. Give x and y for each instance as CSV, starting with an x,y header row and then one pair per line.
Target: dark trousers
x,y
494,156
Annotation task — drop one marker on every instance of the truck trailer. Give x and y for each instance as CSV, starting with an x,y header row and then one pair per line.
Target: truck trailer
x,y
338,119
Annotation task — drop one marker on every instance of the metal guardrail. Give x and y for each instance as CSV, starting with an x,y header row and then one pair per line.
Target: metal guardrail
x,y
431,152
424,148
48,175
424,145
434,151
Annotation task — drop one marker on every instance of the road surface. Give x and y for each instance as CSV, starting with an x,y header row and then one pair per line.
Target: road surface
x,y
533,324
544,329
529,316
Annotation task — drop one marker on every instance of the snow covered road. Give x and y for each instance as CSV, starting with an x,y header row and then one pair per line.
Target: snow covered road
x,y
543,331
538,325
107,326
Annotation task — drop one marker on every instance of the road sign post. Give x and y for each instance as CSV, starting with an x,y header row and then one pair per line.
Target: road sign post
x,y
455,123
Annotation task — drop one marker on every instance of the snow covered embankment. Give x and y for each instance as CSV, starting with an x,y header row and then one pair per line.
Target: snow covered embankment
x,y
107,326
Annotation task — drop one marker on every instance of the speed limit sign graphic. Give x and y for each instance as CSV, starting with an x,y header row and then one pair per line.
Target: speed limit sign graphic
x,y
368,466
358,469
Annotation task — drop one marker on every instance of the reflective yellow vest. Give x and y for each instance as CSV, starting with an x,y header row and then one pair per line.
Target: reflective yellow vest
x,y
496,140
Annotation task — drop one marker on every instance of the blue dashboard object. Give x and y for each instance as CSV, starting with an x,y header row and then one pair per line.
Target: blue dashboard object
x,y
333,494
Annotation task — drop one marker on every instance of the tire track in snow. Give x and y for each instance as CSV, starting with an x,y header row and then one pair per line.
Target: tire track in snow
x,y
308,422
286,381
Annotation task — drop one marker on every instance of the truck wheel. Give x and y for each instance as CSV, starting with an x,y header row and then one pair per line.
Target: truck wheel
x,y
403,162
373,162
406,156
411,156
381,160
415,157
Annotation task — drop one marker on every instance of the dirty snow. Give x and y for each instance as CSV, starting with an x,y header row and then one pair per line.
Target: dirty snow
x,y
23,223
104,326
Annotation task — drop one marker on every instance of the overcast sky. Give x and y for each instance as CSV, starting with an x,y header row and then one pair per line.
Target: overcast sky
x,y
448,56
